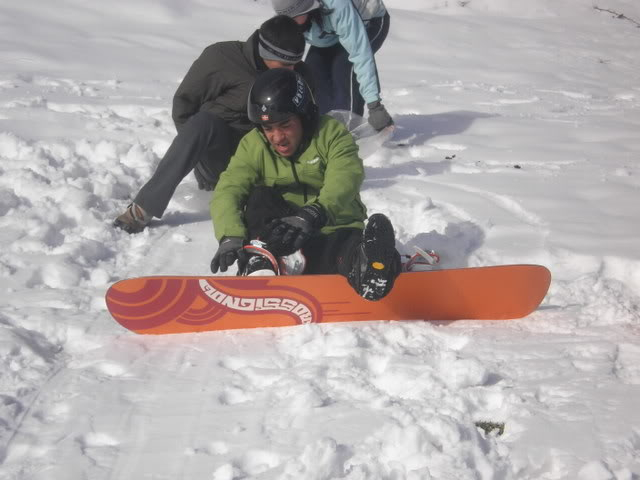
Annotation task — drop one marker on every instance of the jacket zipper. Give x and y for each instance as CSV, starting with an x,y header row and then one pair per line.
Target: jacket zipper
x,y
295,175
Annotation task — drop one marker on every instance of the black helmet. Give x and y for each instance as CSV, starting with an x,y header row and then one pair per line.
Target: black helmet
x,y
279,93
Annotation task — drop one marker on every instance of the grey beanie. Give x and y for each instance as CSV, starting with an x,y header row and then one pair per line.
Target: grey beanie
x,y
293,8
281,39
269,51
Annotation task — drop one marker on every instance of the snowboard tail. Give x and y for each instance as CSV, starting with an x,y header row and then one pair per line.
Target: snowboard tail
x,y
183,304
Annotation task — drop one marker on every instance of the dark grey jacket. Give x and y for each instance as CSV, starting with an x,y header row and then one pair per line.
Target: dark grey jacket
x,y
219,82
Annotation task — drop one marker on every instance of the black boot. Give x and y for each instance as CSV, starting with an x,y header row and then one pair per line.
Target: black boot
x,y
375,263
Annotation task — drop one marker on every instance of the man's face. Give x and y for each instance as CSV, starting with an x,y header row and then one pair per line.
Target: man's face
x,y
278,64
285,136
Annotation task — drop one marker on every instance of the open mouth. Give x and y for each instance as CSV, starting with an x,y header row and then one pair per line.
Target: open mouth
x,y
283,147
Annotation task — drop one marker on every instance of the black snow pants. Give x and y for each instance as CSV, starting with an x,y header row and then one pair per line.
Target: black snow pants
x,y
325,253
205,142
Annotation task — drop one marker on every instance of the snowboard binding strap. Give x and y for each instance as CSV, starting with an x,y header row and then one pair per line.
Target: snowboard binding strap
x,y
256,247
422,259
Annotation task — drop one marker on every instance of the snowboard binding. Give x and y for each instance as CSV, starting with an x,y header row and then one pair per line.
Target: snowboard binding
x,y
421,260
261,262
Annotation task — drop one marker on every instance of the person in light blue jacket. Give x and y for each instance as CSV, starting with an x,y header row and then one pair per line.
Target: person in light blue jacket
x,y
343,37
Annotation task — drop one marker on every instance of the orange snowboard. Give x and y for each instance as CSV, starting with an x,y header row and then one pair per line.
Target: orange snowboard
x,y
160,305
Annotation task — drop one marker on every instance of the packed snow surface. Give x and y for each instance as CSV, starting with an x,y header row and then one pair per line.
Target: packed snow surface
x,y
517,142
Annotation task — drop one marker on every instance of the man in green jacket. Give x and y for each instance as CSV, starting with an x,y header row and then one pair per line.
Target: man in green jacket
x,y
210,113
292,190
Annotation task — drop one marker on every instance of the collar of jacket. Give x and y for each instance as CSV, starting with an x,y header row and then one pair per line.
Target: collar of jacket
x,y
250,51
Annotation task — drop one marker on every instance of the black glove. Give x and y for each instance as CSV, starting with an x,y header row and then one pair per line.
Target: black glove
x,y
229,251
285,235
379,118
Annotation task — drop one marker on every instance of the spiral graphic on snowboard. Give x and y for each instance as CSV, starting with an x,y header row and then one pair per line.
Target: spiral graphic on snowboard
x,y
148,303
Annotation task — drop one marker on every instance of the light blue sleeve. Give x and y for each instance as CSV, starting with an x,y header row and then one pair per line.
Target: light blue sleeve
x,y
352,34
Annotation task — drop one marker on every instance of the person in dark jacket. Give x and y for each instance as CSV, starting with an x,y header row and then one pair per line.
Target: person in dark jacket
x,y
290,198
210,113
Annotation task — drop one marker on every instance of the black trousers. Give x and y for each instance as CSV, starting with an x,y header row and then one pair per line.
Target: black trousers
x,y
325,254
337,87
205,141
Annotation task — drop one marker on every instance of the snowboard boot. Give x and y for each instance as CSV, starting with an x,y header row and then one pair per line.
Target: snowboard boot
x,y
376,263
260,261
133,220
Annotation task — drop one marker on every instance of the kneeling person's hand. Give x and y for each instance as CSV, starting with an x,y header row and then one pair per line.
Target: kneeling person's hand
x,y
379,118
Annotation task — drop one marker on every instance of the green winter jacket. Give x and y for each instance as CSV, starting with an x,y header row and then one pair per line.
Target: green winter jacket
x,y
329,171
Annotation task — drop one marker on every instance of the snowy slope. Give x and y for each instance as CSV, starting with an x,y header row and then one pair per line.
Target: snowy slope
x,y
517,142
